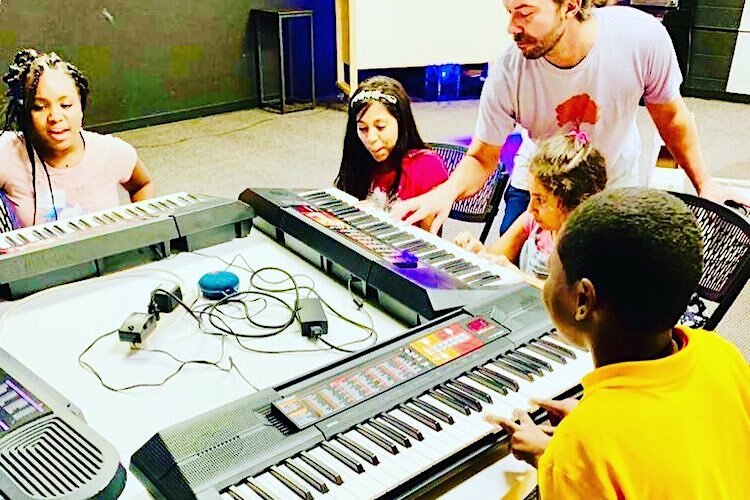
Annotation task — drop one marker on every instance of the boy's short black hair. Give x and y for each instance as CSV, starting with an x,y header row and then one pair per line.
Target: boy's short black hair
x,y
641,248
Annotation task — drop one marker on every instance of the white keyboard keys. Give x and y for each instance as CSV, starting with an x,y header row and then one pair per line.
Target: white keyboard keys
x,y
353,481
272,487
333,480
110,218
440,253
243,492
285,478
384,471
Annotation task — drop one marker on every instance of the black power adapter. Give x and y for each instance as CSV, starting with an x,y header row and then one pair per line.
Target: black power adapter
x,y
166,300
312,317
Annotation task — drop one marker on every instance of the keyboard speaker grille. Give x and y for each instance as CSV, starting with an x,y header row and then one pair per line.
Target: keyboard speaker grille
x,y
50,459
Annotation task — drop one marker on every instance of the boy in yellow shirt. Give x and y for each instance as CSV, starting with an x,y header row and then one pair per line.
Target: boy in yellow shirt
x,y
666,412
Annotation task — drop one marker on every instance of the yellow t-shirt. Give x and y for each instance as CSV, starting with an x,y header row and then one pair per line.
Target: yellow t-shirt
x,y
676,427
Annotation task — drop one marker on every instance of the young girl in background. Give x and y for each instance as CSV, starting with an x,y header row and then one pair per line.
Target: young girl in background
x,y
51,168
564,171
384,158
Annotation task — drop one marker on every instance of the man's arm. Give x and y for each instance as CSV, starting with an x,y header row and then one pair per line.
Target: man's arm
x,y
475,168
677,127
469,176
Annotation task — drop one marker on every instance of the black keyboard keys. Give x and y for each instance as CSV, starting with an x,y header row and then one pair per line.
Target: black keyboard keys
x,y
390,433
358,449
481,395
342,457
378,440
321,469
403,426
488,383
421,418
297,489
307,477
463,398
432,410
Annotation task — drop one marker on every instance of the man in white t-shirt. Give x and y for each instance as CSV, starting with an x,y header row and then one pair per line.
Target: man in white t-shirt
x,y
576,68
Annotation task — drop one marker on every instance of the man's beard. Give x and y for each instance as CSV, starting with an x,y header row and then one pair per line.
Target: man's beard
x,y
539,48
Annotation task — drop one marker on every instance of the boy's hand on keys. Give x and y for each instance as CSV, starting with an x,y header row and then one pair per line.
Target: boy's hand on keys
x,y
527,439
557,409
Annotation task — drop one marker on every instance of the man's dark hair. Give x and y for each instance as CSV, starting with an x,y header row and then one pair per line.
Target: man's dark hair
x,y
586,7
641,248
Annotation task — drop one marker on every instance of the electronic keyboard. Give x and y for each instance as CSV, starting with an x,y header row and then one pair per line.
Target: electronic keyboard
x,y
47,451
392,421
411,273
44,255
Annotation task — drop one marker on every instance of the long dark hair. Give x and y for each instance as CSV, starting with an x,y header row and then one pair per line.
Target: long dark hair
x,y
357,164
22,80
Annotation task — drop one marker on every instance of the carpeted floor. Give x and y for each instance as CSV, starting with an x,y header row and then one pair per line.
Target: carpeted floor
x,y
223,154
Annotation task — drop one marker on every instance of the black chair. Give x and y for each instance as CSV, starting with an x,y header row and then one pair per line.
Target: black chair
x,y
484,205
7,214
726,261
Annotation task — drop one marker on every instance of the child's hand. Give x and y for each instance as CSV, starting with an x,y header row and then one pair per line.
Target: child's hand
x,y
366,203
557,409
527,440
469,242
500,260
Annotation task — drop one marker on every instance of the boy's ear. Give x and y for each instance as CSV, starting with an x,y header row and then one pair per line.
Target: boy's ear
x,y
585,300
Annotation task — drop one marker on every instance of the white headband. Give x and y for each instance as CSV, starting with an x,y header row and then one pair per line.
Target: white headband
x,y
373,95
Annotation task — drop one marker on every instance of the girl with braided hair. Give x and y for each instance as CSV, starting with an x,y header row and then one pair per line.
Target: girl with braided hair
x,y
50,167
565,170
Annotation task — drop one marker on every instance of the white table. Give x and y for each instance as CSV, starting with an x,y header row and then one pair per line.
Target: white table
x,y
48,331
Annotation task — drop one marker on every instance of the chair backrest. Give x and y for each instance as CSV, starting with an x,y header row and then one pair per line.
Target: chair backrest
x,y
484,205
726,254
8,219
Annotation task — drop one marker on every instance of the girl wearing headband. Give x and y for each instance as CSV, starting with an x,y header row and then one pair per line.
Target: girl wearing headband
x,y
384,158
564,171
50,167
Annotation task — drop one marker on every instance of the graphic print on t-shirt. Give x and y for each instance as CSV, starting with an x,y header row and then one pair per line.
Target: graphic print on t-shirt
x,y
379,190
62,208
577,110
380,198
